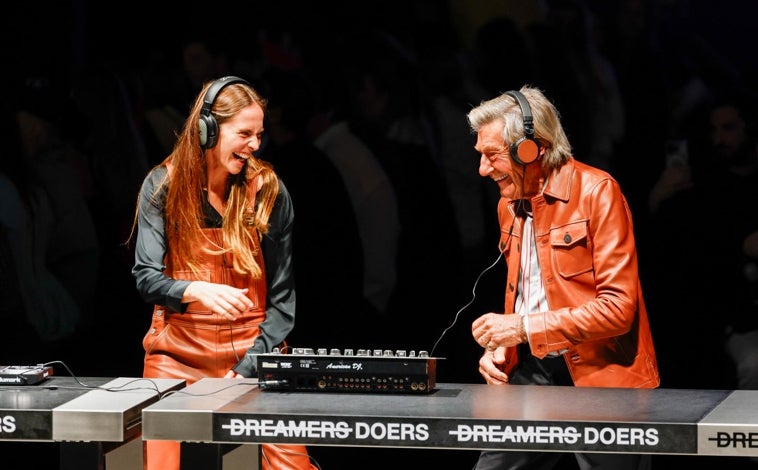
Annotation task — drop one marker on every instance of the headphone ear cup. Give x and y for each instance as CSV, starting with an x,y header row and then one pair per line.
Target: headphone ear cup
x,y
207,126
202,129
525,151
208,129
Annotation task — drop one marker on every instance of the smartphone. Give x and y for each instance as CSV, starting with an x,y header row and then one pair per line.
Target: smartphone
x,y
677,152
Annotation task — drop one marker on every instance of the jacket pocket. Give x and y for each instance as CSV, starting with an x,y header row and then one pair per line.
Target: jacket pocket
x,y
570,245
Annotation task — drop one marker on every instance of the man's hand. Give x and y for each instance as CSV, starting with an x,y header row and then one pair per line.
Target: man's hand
x,y
491,367
672,180
496,332
750,245
493,330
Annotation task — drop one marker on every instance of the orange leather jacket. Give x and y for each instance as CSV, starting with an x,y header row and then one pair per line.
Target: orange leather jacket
x,y
587,252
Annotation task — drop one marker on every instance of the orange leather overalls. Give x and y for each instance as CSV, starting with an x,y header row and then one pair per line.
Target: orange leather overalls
x,y
200,343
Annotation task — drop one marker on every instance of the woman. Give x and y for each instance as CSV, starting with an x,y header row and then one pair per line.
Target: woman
x,y
214,254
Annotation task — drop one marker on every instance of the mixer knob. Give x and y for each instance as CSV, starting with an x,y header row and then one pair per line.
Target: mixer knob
x,y
400,353
348,352
334,352
423,353
412,353
322,351
377,352
388,353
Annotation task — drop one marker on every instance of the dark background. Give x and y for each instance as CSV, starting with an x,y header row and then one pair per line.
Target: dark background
x,y
140,45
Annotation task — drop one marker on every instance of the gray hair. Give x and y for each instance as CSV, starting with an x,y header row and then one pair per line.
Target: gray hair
x,y
548,130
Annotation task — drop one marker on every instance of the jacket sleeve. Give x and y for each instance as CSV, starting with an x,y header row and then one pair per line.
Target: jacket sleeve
x,y
280,279
150,249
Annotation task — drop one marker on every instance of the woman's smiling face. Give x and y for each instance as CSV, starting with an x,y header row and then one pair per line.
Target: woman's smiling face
x,y
239,138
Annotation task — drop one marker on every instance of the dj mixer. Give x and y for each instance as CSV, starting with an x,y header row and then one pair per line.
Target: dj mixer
x,y
348,370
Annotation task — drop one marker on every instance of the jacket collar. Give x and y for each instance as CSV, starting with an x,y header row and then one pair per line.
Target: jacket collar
x,y
559,181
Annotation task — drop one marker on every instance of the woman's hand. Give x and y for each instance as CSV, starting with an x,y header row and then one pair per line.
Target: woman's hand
x,y
228,301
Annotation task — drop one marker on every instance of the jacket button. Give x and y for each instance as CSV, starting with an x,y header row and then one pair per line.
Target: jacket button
x,y
567,238
159,313
152,331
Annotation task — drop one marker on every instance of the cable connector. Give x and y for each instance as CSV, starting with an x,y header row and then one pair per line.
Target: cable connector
x,y
272,383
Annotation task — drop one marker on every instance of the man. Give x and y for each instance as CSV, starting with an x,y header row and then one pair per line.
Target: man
x,y
719,184
574,311
735,171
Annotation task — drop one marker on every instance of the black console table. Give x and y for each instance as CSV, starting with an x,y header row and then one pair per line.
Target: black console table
x,y
85,422
464,416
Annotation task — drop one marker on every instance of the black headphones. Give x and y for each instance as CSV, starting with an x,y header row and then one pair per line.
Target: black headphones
x,y
525,150
207,125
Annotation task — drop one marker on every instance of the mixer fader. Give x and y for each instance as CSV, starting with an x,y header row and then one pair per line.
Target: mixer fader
x,y
347,370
